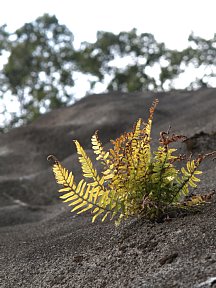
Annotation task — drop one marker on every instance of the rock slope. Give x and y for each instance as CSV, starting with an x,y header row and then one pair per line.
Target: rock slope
x,y
43,245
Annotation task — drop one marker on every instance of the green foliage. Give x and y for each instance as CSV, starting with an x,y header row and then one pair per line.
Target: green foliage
x,y
147,64
38,72
141,51
201,54
3,39
42,65
134,181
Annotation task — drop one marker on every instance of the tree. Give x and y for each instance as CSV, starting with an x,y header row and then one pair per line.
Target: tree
x,y
130,61
3,39
39,69
201,54
138,55
41,64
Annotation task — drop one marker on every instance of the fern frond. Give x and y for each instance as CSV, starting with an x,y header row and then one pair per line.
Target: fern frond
x,y
188,175
85,161
103,156
137,128
99,150
84,196
151,114
133,181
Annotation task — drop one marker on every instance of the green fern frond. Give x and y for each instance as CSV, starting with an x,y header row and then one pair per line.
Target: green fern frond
x,y
188,175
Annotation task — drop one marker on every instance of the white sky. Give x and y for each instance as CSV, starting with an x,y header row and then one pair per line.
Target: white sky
x,y
170,21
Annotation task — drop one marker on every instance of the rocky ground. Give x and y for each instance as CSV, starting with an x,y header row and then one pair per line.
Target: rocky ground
x,y
43,245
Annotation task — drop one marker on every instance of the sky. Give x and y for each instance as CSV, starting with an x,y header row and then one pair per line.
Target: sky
x,y
170,21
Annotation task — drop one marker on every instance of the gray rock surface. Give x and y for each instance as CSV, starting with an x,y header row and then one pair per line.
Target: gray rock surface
x,y
43,245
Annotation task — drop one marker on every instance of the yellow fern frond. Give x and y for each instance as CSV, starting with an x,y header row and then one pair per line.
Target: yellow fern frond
x,y
97,184
85,161
84,196
137,128
134,180
104,158
99,150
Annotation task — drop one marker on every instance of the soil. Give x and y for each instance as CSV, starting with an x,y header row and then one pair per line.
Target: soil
x,y
42,244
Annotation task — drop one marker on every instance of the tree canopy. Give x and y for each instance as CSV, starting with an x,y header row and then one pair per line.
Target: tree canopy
x,y
145,63
40,71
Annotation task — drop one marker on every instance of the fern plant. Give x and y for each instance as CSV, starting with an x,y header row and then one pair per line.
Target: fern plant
x,y
134,181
